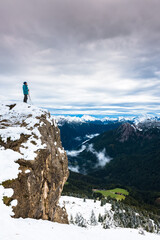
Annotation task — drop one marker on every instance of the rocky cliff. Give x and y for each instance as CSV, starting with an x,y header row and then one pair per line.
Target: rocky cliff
x,y
32,162
125,131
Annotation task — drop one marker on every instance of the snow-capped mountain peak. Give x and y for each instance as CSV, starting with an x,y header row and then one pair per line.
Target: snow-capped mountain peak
x,y
87,118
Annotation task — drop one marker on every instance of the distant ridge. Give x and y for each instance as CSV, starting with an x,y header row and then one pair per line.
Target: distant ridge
x,y
87,118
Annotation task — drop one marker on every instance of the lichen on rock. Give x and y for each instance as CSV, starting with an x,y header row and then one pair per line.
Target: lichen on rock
x,y
42,162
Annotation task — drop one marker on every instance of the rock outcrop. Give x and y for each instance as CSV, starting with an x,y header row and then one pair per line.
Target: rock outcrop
x,y
125,131
42,162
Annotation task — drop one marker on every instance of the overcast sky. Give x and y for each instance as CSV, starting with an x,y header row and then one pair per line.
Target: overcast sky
x,y
82,56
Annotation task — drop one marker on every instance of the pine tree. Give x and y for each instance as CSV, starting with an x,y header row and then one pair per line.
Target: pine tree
x,y
103,202
100,218
93,220
71,220
106,224
80,221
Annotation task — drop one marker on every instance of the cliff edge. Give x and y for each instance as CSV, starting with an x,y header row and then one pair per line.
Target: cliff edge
x,y
32,162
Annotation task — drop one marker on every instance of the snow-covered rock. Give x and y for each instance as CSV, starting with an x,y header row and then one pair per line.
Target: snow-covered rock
x,y
31,163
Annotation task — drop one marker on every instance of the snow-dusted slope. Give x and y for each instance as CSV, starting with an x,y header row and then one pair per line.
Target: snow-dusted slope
x,y
86,208
107,214
24,229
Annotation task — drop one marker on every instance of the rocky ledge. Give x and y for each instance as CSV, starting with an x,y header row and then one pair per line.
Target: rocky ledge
x,y
32,162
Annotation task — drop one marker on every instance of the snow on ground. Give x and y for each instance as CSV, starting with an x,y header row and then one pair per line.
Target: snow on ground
x,y
24,229
78,205
13,133
32,229
8,167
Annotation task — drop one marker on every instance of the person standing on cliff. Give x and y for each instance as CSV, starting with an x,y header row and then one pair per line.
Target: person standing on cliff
x,y
25,91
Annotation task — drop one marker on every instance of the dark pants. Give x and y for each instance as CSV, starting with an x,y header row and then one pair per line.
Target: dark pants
x,y
25,98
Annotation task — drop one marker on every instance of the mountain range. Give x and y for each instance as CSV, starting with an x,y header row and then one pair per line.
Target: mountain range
x,y
117,151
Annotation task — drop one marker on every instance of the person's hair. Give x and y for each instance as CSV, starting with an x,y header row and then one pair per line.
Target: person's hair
x,y
24,82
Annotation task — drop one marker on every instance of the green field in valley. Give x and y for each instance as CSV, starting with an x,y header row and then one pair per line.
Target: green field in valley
x,y
117,193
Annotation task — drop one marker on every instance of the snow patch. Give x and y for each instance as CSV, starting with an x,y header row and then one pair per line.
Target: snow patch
x,y
14,203
8,167
61,150
13,133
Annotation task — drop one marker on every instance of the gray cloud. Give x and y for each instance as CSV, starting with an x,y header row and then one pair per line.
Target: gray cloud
x,y
81,53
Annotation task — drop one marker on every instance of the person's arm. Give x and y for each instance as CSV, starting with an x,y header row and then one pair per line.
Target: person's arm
x,y
23,89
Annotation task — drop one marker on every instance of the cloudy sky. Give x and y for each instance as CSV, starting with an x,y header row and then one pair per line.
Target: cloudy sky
x,y
82,56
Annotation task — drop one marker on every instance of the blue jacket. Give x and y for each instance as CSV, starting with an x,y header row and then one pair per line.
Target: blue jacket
x,y
25,89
